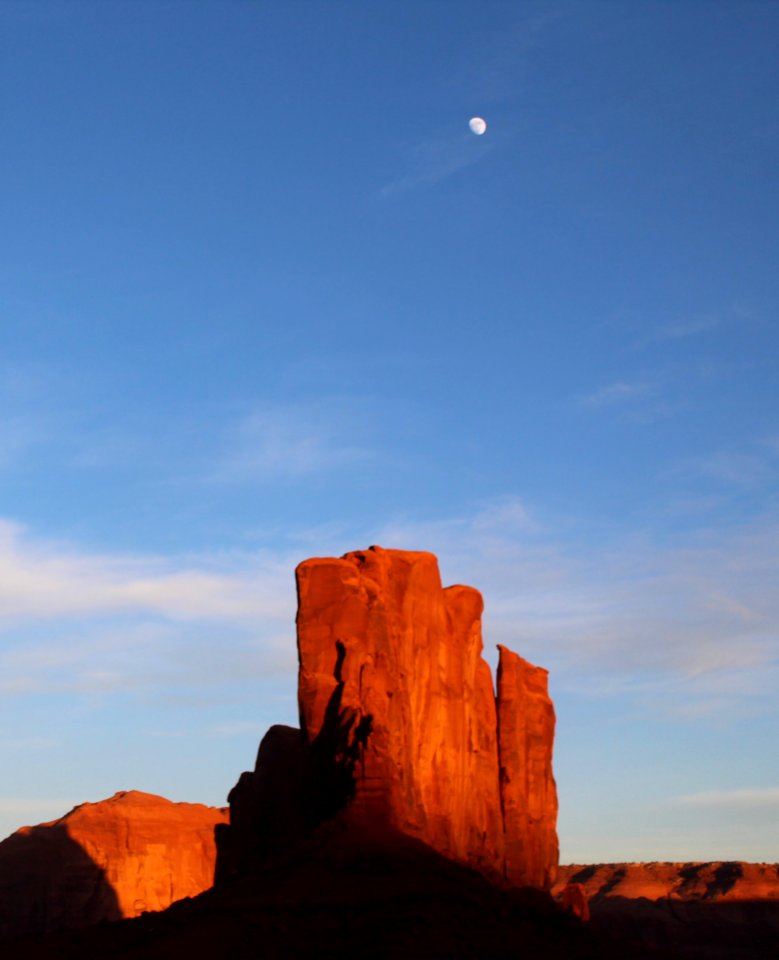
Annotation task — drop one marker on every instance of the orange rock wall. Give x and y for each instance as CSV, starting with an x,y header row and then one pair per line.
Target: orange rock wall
x,y
526,724
393,687
104,861
151,851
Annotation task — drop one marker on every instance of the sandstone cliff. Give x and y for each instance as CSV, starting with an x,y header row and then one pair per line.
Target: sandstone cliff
x,y
103,861
401,730
526,723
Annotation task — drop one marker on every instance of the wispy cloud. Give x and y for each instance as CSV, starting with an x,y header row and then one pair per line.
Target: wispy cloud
x,y
690,627
17,436
681,329
43,580
757,797
433,160
696,325
506,59
23,416
750,466
696,623
620,392
733,468
86,622
294,441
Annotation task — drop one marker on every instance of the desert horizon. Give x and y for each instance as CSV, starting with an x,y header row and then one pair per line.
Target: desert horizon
x,y
410,762
492,283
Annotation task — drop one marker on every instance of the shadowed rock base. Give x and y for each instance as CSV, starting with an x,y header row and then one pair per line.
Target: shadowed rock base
x,y
696,911
347,894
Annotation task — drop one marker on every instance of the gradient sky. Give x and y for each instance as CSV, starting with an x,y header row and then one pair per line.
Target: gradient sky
x,y
263,295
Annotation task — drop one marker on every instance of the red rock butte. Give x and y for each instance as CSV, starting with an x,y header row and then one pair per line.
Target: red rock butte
x,y
401,729
103,861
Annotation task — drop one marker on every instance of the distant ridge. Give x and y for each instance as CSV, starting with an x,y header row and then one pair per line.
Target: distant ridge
x,y
713,881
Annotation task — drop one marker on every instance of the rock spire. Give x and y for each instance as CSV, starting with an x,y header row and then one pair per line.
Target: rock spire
x,y
401,730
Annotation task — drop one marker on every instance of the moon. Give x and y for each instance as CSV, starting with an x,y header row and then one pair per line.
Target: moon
x,y
477,125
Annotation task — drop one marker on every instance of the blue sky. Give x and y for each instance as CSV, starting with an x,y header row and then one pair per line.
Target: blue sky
x,y
263,295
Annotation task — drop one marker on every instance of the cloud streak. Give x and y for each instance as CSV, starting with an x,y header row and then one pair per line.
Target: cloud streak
x,y
40,580
692,627
731,468
72,620
732,799
294,441
433,160
620,392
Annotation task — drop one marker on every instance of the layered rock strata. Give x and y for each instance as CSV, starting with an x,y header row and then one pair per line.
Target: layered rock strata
x,y
401,730
103,861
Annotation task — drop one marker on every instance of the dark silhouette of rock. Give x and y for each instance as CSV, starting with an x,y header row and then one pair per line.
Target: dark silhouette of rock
x,y
346,892
106,860
49,882
278,788
401,729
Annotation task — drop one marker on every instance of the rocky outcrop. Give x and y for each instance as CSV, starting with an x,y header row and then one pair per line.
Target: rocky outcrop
x,y
268,806
715,881
574,899
103,861
401,731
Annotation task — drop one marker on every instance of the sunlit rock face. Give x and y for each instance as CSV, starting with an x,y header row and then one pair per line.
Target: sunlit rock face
x,y
526,723
398,710
103,861
392,686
